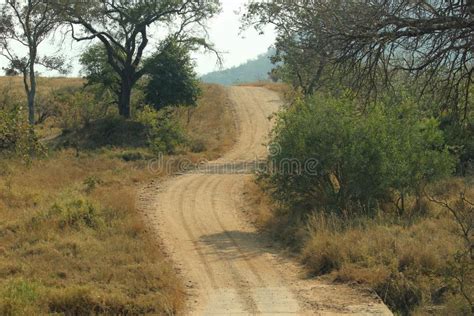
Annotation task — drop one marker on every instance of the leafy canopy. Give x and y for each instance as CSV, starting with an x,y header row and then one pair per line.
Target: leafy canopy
x,y
172,79
360,159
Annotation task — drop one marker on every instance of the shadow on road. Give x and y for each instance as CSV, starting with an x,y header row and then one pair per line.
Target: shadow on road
x,y
238,245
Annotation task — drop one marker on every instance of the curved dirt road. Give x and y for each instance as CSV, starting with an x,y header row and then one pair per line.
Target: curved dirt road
x,y
227,267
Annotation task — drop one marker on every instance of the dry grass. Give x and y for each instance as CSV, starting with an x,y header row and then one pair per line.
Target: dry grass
x,y
409,262
71,239
211,125
282,88
45,84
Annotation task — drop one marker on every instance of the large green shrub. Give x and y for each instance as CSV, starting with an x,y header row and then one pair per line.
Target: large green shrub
x,y
337,158
17,137
164,134
78,107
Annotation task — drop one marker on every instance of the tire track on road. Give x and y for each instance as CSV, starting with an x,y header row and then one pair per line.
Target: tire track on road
x,y
225,265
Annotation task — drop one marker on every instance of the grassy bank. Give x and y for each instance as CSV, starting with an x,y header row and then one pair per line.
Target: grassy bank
x,y
413,263
71,239
73,242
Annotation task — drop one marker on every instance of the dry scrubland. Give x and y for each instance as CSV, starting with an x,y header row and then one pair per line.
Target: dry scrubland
x,y
409,262
45,85
72,239
211,126
412,262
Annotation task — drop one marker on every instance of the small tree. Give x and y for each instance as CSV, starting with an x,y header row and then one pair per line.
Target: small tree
x,y
173,80
28,23
303,54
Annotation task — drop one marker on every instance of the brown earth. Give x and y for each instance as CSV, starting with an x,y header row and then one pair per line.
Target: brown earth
x,y
226,265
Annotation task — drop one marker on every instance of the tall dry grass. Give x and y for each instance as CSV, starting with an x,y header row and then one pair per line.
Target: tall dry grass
x,y
412,263
73,242
45,84
211,124
281,88
71,239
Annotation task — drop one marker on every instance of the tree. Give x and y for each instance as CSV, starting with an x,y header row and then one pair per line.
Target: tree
x,y
429,39
122,26
303,68
97,70
372,41
9,72
303,54
28,23
173,80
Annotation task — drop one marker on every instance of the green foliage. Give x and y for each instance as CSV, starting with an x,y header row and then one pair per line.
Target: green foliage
x,y
356,159
16,136
460,138
172,80
97,69
79,107
75,214
18,297
164,133
90,183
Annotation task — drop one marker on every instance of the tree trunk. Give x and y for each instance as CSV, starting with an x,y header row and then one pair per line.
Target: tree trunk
x,y
124,97
30,89
31,94
31,106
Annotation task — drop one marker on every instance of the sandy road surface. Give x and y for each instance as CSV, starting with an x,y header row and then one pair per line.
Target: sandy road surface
x,y
228,268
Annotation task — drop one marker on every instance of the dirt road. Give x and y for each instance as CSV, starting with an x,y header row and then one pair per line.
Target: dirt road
x,y
228,268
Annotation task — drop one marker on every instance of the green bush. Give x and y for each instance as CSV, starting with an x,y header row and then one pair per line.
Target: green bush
x,y
75,214
172,80
337,158
90,183
16,136
460,139
164,133
79,107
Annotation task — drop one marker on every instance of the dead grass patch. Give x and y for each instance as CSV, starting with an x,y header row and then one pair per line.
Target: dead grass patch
x,y
71,238
45,84
281,88
408,262
211,125
69,247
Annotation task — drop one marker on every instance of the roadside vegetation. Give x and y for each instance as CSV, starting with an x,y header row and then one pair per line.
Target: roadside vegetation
x,y
72,238
370,178
370,183
74,152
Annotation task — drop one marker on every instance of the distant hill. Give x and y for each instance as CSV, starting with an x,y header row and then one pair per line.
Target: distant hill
x,y
253,70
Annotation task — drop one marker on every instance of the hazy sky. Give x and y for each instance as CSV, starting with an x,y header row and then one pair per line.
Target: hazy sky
x,y
224,32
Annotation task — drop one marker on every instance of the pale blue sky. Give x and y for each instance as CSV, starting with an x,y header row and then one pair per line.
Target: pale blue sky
x,y
224,32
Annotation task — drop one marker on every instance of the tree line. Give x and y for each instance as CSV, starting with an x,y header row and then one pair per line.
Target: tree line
x,y
370,42
123,28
